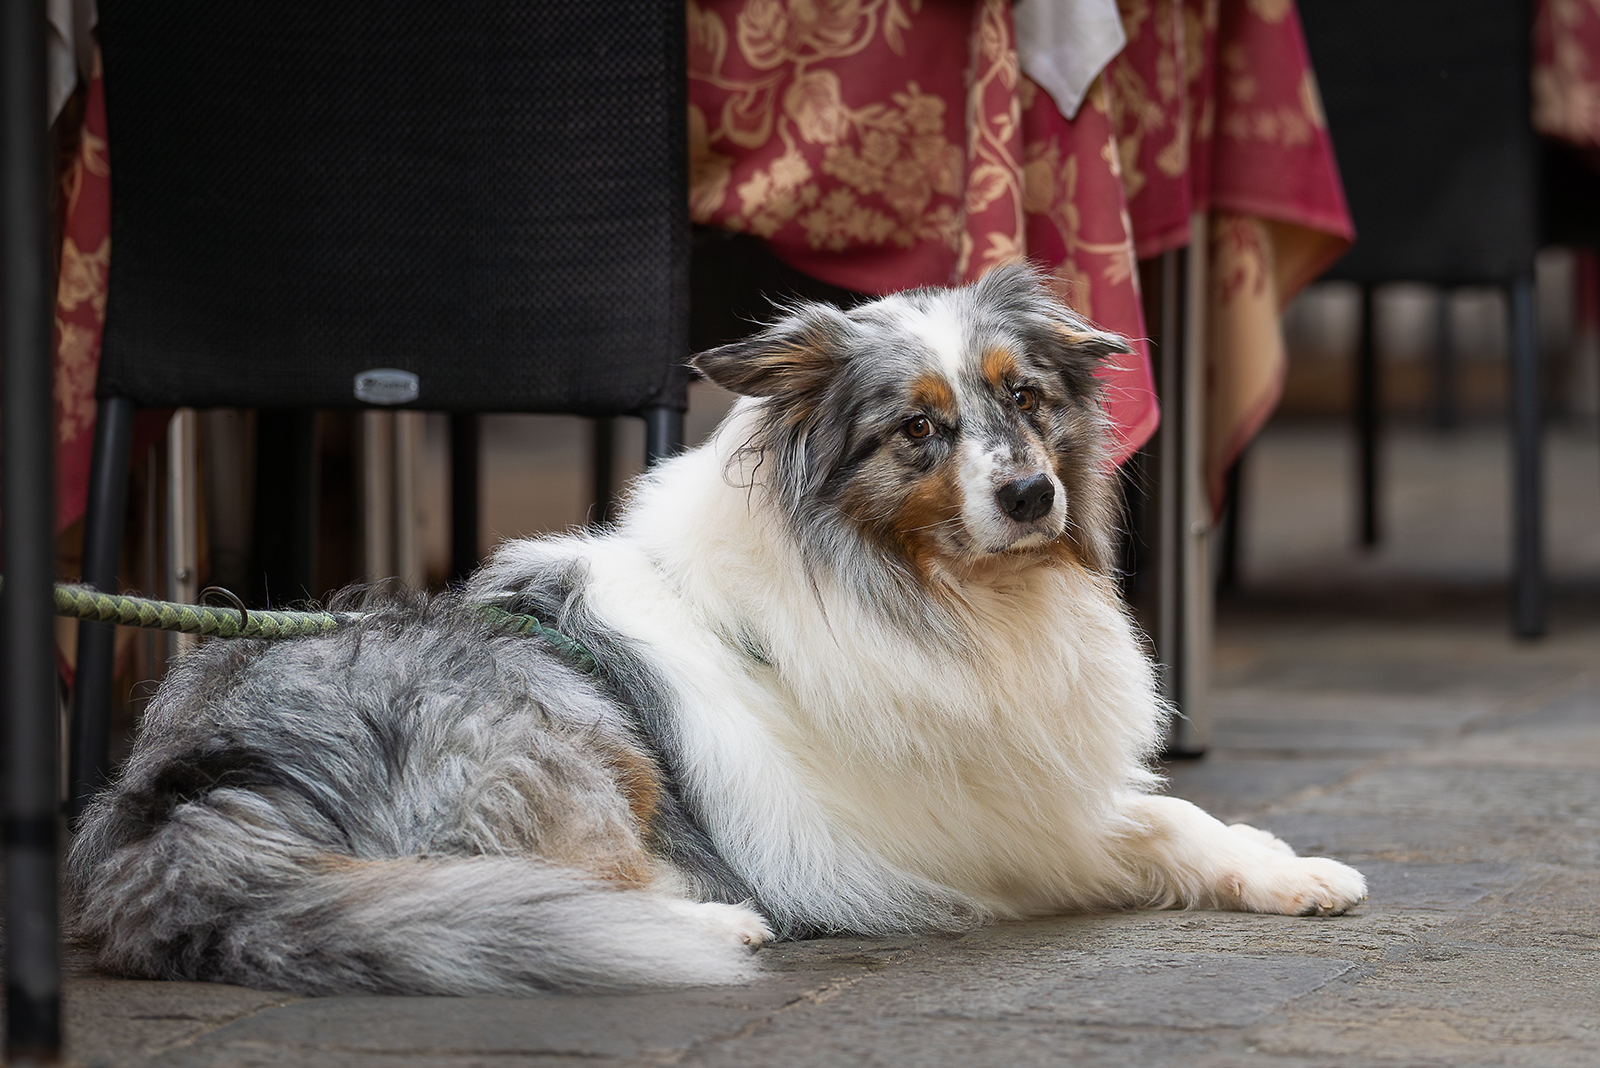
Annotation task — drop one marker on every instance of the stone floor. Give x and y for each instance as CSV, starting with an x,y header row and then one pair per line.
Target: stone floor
x,y
1372,709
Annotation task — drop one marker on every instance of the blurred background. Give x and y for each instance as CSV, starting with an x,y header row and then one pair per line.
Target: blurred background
x,y
1449,481
364,315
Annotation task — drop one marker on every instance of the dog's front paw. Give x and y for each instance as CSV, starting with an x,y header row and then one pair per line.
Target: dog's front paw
x,y
1305,886
737,921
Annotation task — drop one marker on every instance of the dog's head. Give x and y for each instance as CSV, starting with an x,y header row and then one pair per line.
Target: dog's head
x,y
943,426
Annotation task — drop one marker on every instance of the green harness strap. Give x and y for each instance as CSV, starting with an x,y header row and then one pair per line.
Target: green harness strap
x,y
574,650
84,602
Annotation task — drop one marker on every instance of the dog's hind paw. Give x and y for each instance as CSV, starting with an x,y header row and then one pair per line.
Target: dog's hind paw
x,y
1307,886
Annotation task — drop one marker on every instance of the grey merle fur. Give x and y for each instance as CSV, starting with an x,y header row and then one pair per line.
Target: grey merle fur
x,y
290,812
554,595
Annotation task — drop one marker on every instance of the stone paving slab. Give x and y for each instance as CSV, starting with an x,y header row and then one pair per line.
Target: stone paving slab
x,y
1473,807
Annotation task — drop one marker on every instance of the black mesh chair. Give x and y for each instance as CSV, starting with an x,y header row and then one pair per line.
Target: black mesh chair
x,y
1428,107
490,198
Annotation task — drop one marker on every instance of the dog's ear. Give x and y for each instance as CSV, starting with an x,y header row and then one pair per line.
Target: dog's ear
x,y
1067,341
794,357
1078,349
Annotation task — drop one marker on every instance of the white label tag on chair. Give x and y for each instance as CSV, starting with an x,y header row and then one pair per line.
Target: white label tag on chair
x,y
387,385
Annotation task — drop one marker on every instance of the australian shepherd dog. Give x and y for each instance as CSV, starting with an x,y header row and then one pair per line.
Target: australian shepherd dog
x,y
859,664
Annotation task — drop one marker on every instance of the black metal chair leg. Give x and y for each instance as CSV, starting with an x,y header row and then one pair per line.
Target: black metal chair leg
x,y
1228,561
465,443
603,452
102,547
285,567
1446,409
1367,415
663,433
29,716
1527,578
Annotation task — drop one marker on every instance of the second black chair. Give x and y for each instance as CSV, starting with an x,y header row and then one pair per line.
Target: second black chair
x,y
1428,106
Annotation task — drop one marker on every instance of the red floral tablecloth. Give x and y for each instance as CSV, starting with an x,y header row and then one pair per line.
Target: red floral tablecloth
x,y
1216,107
1566,71
1216,111
882,144
81,305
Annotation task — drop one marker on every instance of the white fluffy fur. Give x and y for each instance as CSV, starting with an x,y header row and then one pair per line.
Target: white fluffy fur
x,y
863,764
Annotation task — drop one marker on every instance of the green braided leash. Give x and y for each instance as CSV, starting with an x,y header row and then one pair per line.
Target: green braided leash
x,y
84,602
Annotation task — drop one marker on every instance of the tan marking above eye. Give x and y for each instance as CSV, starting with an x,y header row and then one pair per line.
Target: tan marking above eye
x,y
998,366
930,391
919,427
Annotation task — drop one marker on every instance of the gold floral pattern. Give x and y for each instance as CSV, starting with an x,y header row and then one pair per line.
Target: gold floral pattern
x,y
1566,73
83,277
1273,11
76,365
995,229
1147,92
91,163
1217,111
1245,352
1291,123
1146,108
81,304
1050,179
901,154
891,160
1240,258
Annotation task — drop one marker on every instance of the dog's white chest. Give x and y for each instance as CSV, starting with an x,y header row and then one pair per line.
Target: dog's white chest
x,y
994,774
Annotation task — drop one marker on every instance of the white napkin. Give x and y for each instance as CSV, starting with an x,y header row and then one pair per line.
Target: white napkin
x,y
1063,44
71,50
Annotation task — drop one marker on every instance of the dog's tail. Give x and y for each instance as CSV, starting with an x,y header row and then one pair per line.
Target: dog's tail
x,y
212,896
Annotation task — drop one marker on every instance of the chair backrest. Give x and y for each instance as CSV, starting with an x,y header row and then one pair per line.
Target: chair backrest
x,y
491,195
1428,106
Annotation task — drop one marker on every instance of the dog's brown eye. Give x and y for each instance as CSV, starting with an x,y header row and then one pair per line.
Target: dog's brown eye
x,y
1024,399
920,427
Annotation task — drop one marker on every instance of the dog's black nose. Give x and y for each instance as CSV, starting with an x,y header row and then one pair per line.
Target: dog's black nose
x,y
1026,499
